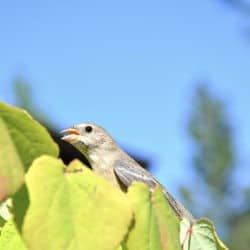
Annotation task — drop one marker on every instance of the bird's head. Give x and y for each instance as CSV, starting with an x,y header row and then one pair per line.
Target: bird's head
x,y
88,137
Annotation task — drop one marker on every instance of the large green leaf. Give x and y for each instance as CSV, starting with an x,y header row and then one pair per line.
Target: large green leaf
x,y
73,208
167,221
200,235
22,140
10,238
156,227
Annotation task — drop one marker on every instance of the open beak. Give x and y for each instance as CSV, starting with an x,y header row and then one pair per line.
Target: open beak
x,y
71,135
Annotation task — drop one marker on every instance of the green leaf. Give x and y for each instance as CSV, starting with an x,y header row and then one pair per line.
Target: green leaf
x,y
167,221
22,140
73,208
144,234
155,226
199,236
20,205
10,239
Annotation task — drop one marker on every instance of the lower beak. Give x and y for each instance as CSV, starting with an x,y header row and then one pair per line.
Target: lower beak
x,y
71,135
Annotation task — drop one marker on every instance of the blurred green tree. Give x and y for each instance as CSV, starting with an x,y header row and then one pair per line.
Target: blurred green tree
x,y
214,162
24,99
241,5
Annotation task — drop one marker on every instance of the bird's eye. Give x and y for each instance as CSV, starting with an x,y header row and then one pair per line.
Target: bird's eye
x,y
88,129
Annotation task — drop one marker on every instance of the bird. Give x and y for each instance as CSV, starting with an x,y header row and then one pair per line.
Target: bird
x,y
111,162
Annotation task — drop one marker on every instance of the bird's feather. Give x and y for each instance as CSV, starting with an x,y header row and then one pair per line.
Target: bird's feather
x,y
128,173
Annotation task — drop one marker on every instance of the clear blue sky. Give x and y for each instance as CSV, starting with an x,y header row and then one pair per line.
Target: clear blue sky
x,y
130,66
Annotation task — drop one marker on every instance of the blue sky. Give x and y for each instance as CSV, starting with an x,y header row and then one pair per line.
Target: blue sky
x,y
130,66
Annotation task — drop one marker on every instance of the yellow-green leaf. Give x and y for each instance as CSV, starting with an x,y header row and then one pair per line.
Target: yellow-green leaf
x,y
167,221
200,235
22,140
10,238
73,208
155,225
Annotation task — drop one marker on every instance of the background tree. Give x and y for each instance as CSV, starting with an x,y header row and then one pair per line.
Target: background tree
x,y
240,5
214,162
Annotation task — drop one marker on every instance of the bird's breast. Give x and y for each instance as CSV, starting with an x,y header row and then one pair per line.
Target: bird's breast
x,y
103,166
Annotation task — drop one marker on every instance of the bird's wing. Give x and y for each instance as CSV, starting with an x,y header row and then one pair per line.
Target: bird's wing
x,y
127,173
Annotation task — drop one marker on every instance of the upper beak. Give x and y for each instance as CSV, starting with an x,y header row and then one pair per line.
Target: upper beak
x,y
70,135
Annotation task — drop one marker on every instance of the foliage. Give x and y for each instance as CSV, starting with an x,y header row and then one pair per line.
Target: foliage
x,y
210,129
214,161
70,207
22,140
10,238
23,96
239,233
202,236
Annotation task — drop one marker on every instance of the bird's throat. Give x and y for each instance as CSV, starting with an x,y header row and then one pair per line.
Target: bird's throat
x,y
100,160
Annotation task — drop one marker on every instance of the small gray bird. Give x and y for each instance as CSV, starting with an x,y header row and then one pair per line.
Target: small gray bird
x,y
109,161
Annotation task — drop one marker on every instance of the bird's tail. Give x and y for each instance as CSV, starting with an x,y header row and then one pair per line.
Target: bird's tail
x,y
179,209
